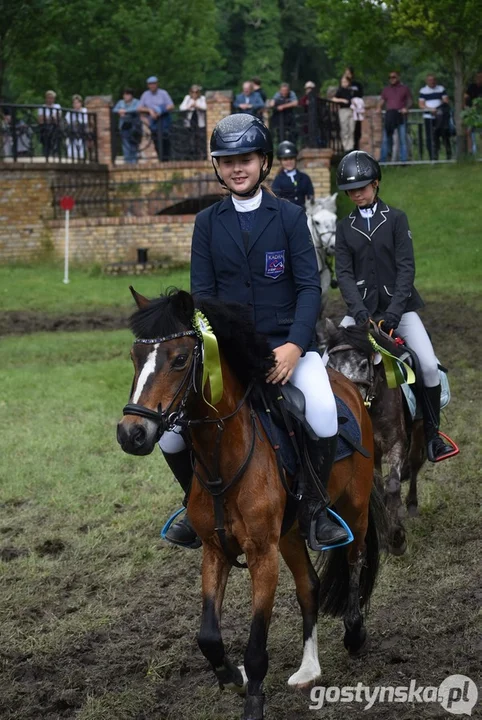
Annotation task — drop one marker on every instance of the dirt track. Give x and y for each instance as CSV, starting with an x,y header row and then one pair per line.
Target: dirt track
x,y
421,622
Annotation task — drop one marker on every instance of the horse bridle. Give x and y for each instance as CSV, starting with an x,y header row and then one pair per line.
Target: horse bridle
x,y
370,383
166,419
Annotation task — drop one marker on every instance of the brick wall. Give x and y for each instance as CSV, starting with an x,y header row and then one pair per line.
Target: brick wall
x,y
113,239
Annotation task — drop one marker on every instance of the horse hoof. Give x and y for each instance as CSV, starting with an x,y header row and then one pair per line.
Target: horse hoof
x,y
304,679
398,550
238,689
412,511
254,707
357,646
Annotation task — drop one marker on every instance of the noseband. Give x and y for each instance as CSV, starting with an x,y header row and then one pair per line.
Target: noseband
x,y
165,419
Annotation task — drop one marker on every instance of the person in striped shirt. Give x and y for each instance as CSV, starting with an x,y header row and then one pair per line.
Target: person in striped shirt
x,y
433,99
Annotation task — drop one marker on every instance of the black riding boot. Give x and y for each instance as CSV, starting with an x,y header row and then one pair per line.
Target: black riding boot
x,y
437,448
315,525
182,533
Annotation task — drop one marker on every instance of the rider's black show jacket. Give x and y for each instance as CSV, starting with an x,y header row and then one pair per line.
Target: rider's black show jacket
x,y
296,192
375,267
276,275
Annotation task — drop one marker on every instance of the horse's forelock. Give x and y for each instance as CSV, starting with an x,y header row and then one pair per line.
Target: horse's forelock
x,y
158,319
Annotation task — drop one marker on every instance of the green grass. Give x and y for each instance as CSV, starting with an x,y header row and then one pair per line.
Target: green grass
x,y
440,202
40,288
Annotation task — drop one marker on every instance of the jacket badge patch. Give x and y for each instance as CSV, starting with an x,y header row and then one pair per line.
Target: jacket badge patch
x,y
274,264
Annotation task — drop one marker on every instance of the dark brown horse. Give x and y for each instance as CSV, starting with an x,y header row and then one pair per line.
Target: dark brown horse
x,y
399,441
235,461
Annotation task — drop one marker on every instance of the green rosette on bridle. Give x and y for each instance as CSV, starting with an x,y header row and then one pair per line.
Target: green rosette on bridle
x,y
211,361
396,371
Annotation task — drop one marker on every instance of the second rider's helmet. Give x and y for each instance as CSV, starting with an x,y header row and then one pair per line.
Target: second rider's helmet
x,y
240,134
357,169
286,149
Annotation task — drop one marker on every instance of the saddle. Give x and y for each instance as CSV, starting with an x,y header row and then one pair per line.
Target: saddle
x,y
281,411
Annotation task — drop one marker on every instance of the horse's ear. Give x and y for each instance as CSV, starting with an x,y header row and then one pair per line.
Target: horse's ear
x,y
330,327
141,301
183,305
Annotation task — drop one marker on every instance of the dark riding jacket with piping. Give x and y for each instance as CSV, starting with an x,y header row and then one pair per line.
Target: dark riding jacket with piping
x,y
375,268
276,276
296,192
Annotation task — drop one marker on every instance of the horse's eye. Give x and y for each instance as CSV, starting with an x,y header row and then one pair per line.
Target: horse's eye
x,y
179,361
363,364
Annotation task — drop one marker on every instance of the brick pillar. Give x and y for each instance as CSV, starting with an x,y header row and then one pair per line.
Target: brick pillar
x,y
219,104
371,138
317,162
101,105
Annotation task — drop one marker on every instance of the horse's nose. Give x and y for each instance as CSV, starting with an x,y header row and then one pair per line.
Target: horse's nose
x,y
132,438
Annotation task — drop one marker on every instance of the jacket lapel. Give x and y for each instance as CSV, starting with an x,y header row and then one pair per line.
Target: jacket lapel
x,y
228,218
266,213
380,216
359,224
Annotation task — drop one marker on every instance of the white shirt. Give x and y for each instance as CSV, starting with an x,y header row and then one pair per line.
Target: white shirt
x,y
249,204
201,106
432,97
368,213
46,112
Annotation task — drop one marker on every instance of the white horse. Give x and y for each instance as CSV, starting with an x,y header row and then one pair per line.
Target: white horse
x,y
322,218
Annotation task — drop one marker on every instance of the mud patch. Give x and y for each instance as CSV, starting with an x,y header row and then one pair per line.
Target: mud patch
x,y
23,322
50,547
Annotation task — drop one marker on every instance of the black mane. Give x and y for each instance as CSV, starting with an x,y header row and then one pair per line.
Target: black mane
x,y
247,353
357,337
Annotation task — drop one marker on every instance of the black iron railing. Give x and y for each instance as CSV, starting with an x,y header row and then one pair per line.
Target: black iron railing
x,y
173,136
47,133
417,140
178,196
313,125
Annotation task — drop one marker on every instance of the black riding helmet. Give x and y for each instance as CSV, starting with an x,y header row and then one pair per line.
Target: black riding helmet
x,y
286,149
357,169
240,134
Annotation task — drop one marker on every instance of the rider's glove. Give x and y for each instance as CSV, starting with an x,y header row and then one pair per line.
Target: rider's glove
x,y
390,322
362,317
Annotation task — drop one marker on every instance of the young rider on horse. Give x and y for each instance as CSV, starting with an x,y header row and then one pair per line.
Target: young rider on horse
x,y
375,269
290,183
255,249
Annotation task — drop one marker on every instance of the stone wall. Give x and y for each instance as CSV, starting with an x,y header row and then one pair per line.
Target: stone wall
x,y
116,239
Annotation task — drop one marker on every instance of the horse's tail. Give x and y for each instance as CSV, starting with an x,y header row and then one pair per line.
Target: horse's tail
x,y
334,569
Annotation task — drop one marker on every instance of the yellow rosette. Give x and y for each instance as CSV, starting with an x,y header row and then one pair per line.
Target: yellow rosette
x,y
211,360
396,371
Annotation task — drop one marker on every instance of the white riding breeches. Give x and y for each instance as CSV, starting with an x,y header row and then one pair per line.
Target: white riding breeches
x,y
311,378
411,329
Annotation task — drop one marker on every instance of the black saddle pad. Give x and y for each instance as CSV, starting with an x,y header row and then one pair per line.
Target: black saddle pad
x,y
279,436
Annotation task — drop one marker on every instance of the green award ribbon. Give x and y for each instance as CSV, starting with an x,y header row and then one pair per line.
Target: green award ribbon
x,y
211,361
394,367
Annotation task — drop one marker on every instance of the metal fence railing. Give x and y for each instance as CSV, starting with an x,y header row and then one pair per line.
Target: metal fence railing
x,y
178,196
48,134
172,137
417,140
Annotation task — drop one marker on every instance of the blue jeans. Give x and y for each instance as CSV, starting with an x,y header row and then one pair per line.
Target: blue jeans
x,y
387,144
129,146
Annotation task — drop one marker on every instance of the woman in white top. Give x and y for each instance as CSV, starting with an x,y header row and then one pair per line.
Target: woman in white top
x,y
193,108
77,124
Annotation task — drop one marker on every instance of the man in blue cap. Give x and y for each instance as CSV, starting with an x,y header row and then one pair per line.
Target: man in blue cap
x,y
157,103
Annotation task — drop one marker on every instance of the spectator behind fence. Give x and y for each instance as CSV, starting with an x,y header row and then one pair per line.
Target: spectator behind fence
x,y
305,99
249,101
473,92
283,121
357,92
343,97
76,121
436,117
257,88
397,99
130,125
49,116
194,108
157,103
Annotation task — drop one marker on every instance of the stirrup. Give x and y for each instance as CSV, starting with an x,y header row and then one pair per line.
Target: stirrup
x,y
313,543
167,526
455,449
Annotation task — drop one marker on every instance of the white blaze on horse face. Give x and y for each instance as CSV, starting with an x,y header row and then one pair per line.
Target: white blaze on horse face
x,y
310,665
146,372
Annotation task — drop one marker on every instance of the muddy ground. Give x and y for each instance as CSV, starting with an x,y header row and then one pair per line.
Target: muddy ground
x,y
421,622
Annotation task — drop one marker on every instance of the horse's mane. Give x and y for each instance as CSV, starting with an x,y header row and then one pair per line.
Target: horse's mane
x,y
357,337
247,353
